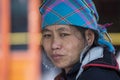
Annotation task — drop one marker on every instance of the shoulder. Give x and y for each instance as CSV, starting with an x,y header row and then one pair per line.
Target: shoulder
x,y
97,73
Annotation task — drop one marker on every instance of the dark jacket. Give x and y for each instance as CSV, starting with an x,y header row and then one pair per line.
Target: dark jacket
x,y
105,68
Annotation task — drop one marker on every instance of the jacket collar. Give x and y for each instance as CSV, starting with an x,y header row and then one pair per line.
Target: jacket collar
x,y
92,54
107,61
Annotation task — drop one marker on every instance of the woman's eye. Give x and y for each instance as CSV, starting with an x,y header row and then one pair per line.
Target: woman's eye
x,y
64,34
47,36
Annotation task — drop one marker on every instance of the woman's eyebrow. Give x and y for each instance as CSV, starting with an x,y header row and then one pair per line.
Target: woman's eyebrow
x,y
46,30
63,29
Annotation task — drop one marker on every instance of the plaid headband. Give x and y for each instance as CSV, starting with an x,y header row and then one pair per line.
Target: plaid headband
x,y
69,12
72,12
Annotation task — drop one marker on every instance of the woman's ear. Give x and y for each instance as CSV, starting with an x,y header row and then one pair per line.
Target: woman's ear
x,y
90,36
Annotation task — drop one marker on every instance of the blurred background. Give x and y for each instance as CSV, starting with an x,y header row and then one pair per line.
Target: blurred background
x,y
20,56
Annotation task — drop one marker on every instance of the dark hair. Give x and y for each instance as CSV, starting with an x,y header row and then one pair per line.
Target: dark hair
x,y
82,31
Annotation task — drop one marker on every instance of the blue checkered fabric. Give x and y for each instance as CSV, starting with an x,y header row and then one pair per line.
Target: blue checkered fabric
x,y
72,12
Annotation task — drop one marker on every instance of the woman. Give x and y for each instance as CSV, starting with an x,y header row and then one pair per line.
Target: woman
x,y
74,42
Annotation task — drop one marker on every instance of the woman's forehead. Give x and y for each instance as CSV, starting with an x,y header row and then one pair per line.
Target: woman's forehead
x,y
59,28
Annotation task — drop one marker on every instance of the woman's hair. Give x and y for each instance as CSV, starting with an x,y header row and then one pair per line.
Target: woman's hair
x,y
82,31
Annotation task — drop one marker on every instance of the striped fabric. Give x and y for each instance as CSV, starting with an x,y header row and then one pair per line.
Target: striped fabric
x,y
73,12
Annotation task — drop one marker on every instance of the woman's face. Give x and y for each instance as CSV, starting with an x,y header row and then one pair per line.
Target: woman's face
x,y
63,45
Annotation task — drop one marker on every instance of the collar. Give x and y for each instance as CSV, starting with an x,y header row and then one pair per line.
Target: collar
x,y
98,57
92,54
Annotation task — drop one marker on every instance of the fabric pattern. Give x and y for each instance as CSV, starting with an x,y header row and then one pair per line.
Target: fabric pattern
x,y
72,12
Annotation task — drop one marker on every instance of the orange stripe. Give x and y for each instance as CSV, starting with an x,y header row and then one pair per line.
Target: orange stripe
x,y
5,30
34,31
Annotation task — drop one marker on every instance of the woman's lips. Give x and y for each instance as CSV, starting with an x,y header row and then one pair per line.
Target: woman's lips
x,y
56,57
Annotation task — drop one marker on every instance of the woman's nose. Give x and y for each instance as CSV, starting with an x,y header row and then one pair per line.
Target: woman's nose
x,y
56,43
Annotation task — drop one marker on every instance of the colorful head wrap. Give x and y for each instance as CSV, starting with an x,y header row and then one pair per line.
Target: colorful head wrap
x,y
80,13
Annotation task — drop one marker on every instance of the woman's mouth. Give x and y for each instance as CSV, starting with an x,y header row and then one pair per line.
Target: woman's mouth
x,y
56,57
